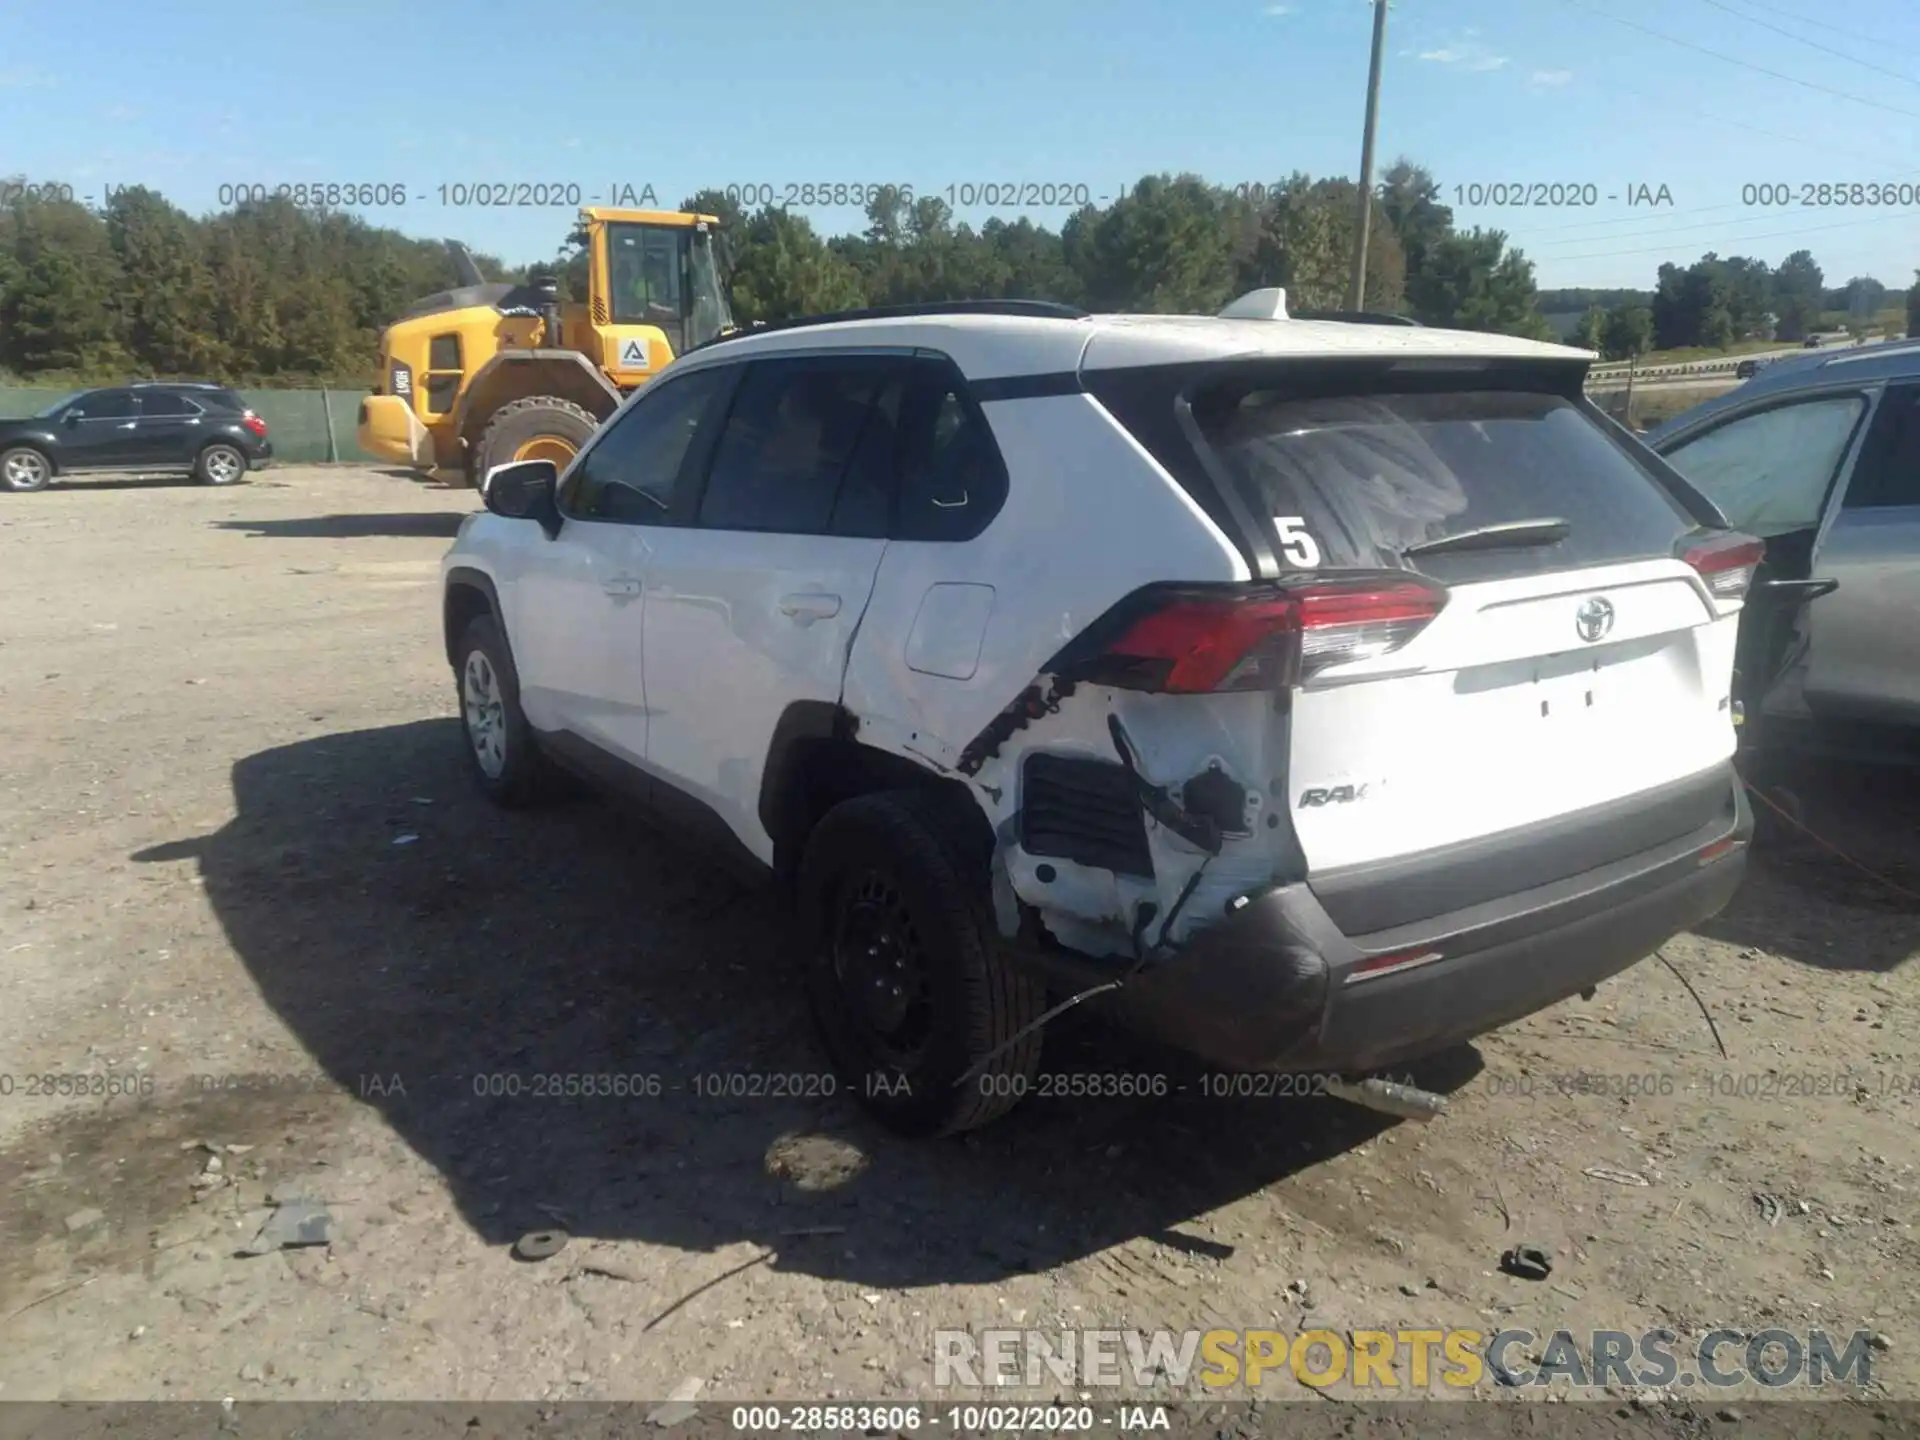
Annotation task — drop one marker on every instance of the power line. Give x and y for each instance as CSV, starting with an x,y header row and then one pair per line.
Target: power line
x,y
1668,250
1812,44
1878,40
1747,64
1720,225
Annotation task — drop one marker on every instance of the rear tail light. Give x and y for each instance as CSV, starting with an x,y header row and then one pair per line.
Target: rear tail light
x,y
255,424
1193,643
1726,563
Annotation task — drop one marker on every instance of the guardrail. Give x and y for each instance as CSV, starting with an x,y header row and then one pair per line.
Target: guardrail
x,y
1657,372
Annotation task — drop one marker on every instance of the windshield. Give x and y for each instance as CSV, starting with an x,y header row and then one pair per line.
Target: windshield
x,y
710,313
57,406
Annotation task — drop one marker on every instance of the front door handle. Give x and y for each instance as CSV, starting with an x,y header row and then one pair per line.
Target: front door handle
x,y
128,426
623,585
810,607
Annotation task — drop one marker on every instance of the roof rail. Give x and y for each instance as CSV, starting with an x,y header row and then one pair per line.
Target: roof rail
x,y
1357,317
1884,350
1035,309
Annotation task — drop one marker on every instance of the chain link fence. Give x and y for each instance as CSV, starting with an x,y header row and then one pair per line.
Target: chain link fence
x,y
304,425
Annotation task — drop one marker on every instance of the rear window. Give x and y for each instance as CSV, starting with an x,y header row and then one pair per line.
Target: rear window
x,y
1357,480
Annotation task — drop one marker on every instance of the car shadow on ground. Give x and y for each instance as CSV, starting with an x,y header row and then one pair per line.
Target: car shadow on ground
x,y
1839,889
401,927
423,525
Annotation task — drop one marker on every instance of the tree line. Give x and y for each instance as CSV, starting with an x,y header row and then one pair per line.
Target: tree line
x,y
271,292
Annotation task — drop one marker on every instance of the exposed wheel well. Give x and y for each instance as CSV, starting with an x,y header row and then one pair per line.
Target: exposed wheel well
x,y
815,762
465,602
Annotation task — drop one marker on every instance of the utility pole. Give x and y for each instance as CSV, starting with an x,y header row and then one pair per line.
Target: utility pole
x,y
1357,286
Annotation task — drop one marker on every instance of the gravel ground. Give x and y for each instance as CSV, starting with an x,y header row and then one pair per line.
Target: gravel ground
x,y
248,882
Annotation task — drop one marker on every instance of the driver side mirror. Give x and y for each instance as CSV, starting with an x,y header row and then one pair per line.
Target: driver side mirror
x,y
74,417
525,490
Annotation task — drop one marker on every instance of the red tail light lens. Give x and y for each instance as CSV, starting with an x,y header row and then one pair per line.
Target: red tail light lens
x,y
1726,563
255,424
1206,644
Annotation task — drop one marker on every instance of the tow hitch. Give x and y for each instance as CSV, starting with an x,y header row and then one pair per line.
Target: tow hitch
x,y
1389,1097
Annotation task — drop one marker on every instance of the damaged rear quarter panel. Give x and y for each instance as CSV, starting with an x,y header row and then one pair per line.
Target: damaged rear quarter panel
x,y
1176,738
1090,517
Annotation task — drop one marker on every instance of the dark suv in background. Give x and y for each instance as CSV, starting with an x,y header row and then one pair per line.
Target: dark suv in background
x,y
184,427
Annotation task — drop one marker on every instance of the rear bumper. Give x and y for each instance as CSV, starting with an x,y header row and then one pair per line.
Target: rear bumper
x,y
262,453
1276,986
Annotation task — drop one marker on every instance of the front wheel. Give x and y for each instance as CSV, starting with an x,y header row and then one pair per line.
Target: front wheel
x,y
500,748
23,468
919,1007
220,465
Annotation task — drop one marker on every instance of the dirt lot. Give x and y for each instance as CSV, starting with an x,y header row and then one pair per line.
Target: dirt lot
x,y
238,842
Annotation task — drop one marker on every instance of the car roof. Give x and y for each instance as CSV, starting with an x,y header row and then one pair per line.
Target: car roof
x,y
173,385
1790,374
993,346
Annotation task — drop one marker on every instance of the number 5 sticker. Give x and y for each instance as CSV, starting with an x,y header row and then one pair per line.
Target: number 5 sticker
x,y
1295,543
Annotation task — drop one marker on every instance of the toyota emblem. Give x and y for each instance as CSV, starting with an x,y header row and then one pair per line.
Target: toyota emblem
x,y
1593,619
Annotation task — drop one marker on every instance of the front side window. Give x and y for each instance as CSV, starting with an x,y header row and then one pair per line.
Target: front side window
x,y
632,472
1769,472
644,265
107,405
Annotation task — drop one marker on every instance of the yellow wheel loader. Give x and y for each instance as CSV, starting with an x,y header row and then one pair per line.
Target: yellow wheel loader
x,y
485,373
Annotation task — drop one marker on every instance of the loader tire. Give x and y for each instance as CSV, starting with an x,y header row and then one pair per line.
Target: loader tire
x,y
539,427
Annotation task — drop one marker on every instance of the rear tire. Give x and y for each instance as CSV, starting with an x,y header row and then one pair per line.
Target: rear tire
x,y
523,423
505,760
220,464
908,982
24,469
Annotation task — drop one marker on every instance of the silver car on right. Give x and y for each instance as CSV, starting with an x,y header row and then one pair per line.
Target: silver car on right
x,y
1819,455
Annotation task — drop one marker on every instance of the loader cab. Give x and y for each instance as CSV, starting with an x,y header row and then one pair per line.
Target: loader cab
x,y
656,289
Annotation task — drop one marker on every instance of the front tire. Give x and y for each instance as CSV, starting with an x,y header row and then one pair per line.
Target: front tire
x,y
501,753
24,469
539,427
220,464
909,985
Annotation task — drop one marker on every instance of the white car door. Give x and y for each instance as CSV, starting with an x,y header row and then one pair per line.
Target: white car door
x,y
754,605
578,601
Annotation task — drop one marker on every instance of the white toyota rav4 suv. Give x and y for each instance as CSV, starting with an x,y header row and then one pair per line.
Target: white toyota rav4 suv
x,y
1324,694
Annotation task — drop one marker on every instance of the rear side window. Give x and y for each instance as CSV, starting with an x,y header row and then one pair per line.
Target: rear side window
x,y
163,405
1358,480
1888,474
793,429
1769,472
951,477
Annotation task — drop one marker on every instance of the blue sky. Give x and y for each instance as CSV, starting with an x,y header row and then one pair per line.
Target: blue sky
x,y
578,92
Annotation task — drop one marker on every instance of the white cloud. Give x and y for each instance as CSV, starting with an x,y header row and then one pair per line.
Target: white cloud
x,y
1468,54
27,77
123,112
1549,79
1277,11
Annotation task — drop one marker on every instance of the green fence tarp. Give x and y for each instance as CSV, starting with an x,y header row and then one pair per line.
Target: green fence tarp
x,y
298,421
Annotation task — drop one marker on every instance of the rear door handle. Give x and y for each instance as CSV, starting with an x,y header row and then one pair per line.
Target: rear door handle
x,y
128,426
809,607
624,585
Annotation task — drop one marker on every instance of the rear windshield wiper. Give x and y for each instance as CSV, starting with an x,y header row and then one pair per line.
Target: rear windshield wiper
x,y
1511,534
